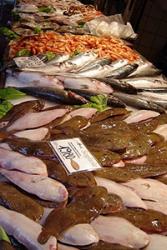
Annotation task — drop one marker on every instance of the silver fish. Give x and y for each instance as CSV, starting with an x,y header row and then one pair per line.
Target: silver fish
x,y
111,100
86,83
96,62
59,59
67,66
157,100
145,69
146,82
139,102
22,79
103,71
82,59
120,86
124,71
54,95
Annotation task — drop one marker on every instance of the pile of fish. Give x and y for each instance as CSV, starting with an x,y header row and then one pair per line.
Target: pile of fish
x,y
62,16
101,91
73,80
120,206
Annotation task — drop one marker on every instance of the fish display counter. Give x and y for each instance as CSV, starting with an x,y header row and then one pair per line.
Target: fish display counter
x,y
83,129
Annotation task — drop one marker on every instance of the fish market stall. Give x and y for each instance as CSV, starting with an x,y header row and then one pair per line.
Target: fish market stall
x,y
83,130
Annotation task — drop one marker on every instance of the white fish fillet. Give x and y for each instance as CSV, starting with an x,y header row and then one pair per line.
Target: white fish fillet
x,y
119,230
79,235
141,115
161,130
157,242
149,189
43,187
28,164
129,197
36,119
33,134
25,230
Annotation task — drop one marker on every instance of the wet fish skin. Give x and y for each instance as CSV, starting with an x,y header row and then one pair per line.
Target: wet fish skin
x,y
129,197
15,161
124,71
14,199
54,95
86,83
120,86
124,233
139,102
155,90
25,230
59,59
103,71
148,82
101,62
43,187
82,59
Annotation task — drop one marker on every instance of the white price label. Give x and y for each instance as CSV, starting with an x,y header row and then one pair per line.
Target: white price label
x,y
29,62
74,155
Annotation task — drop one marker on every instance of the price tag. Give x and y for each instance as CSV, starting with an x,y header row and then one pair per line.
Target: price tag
x,y
29,62
74,155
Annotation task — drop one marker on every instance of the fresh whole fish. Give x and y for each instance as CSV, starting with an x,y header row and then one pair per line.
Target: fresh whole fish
x,y
79,235
145,69
150,221
14,161
31,79
19,110
96,62
140,115
149,189
33,134
43,187
54,95
159,101
67,66
124,71
139,102
58,59
147,82
157,242
14,199
103,71
25,230
120,86
86,83
124,233
82,59
129,197
36,119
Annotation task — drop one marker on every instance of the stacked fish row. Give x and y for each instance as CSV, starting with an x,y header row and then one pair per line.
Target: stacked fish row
x,y
61,16
73,80
120,206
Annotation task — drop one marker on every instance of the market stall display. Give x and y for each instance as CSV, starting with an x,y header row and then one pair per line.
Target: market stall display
x,y
60,87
